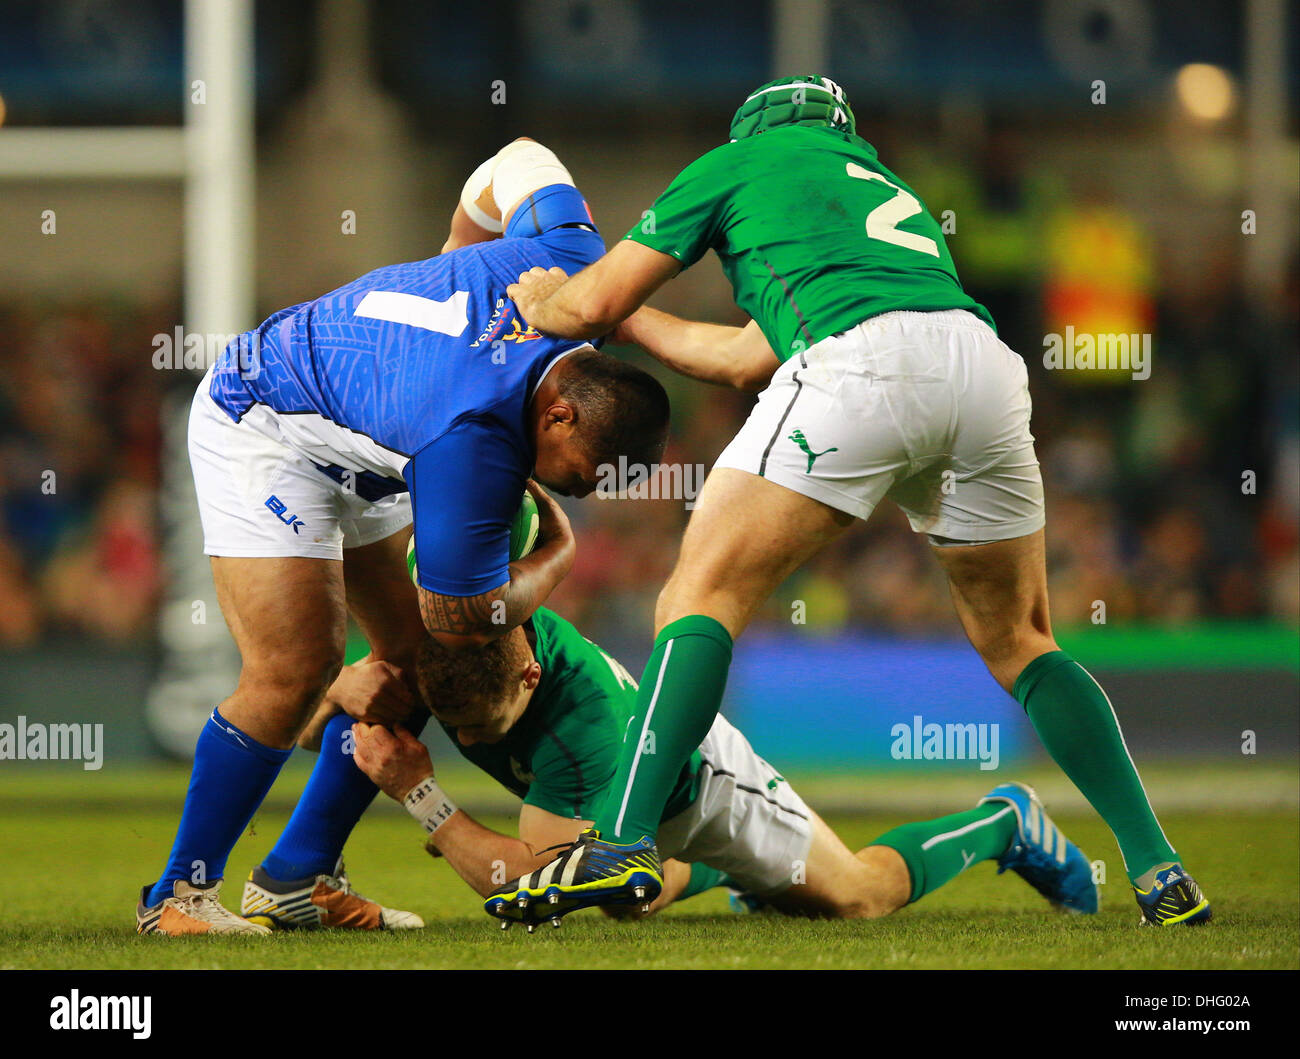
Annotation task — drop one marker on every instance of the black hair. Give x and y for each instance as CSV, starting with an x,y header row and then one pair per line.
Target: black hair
x,y
622,410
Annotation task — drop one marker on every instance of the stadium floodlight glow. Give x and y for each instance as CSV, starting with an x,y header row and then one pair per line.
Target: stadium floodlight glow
x,y
1206,92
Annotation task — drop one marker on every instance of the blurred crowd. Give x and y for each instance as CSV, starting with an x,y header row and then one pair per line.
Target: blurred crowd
x,y
80,456
1172,499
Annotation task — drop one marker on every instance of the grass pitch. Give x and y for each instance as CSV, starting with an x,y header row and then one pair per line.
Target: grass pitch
x,y
77,846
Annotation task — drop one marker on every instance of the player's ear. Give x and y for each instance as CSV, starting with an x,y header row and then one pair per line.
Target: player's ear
x,y
532,675
560,412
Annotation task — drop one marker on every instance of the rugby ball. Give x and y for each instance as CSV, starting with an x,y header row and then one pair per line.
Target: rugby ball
x,y
523,534
524,529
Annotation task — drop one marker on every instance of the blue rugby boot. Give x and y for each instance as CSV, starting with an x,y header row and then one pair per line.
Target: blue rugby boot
x,y
1042,855
1172,897
589,872
744,903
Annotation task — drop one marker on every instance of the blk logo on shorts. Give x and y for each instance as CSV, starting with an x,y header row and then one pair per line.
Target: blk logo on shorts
x,y
279,510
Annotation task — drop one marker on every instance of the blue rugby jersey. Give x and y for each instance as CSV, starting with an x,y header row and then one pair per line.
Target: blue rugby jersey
x,y
417,377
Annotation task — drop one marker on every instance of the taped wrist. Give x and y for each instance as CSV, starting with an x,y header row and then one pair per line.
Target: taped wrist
x,y
427,802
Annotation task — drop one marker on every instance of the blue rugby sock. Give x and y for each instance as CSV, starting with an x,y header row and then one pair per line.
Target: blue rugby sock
x,y
331,804
232,773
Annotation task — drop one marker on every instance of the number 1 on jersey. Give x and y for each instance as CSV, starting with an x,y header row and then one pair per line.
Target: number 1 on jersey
x,y
882,222
445,318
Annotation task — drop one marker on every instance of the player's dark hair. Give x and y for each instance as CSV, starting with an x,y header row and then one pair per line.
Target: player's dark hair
x,y
622,410
471,680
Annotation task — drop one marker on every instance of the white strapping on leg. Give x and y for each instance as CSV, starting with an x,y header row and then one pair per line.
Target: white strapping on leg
x,y
478,182
523,167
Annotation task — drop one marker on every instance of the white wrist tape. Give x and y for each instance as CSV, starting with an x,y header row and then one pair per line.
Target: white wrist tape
x,y
429,805
477,183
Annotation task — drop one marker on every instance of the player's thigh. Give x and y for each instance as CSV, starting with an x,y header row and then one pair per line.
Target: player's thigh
x,y
837,883
380,593
289,619
999,590
839,425
271,525
745,536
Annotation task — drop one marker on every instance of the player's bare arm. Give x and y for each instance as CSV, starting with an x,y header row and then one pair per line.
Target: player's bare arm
x,y
396,761
485,208
477,218
739,357
460,622
481,856
599,297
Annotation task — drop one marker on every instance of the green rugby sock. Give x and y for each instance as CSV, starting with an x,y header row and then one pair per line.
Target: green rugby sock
x,y
702,878
937,851
1076,724
680,693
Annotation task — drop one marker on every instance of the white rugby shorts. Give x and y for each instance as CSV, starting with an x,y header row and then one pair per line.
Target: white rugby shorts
x,y
745,820
260,497
930,409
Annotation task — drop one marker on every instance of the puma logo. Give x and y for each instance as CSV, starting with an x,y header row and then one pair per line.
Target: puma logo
x,y
798,438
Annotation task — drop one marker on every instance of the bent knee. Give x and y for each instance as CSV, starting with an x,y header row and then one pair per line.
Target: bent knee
x,y
1006,654
293,684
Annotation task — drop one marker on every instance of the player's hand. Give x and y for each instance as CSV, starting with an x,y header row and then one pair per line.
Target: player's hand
x,y
395,760
552,523
375,692
534,287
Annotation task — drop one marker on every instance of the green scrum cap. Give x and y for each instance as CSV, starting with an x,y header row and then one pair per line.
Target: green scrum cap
x,y
808,100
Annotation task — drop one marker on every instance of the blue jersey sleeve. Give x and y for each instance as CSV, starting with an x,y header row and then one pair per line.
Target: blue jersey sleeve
x,y
465,490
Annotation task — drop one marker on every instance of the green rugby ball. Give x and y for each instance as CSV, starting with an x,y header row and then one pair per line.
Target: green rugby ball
x,y
524,528
523,534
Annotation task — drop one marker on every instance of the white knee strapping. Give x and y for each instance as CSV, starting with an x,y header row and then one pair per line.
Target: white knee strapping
x,y
517,170
523,167
479,180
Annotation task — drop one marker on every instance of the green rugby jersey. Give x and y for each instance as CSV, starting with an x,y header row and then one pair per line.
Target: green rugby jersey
x,y
813,232
562,753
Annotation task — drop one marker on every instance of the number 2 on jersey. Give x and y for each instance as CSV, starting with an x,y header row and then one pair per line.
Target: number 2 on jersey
x,y
882,222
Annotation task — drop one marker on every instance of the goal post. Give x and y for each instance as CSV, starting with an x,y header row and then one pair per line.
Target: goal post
x,y
212,159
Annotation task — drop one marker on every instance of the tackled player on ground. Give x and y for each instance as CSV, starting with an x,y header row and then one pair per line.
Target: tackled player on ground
x,y
544,712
